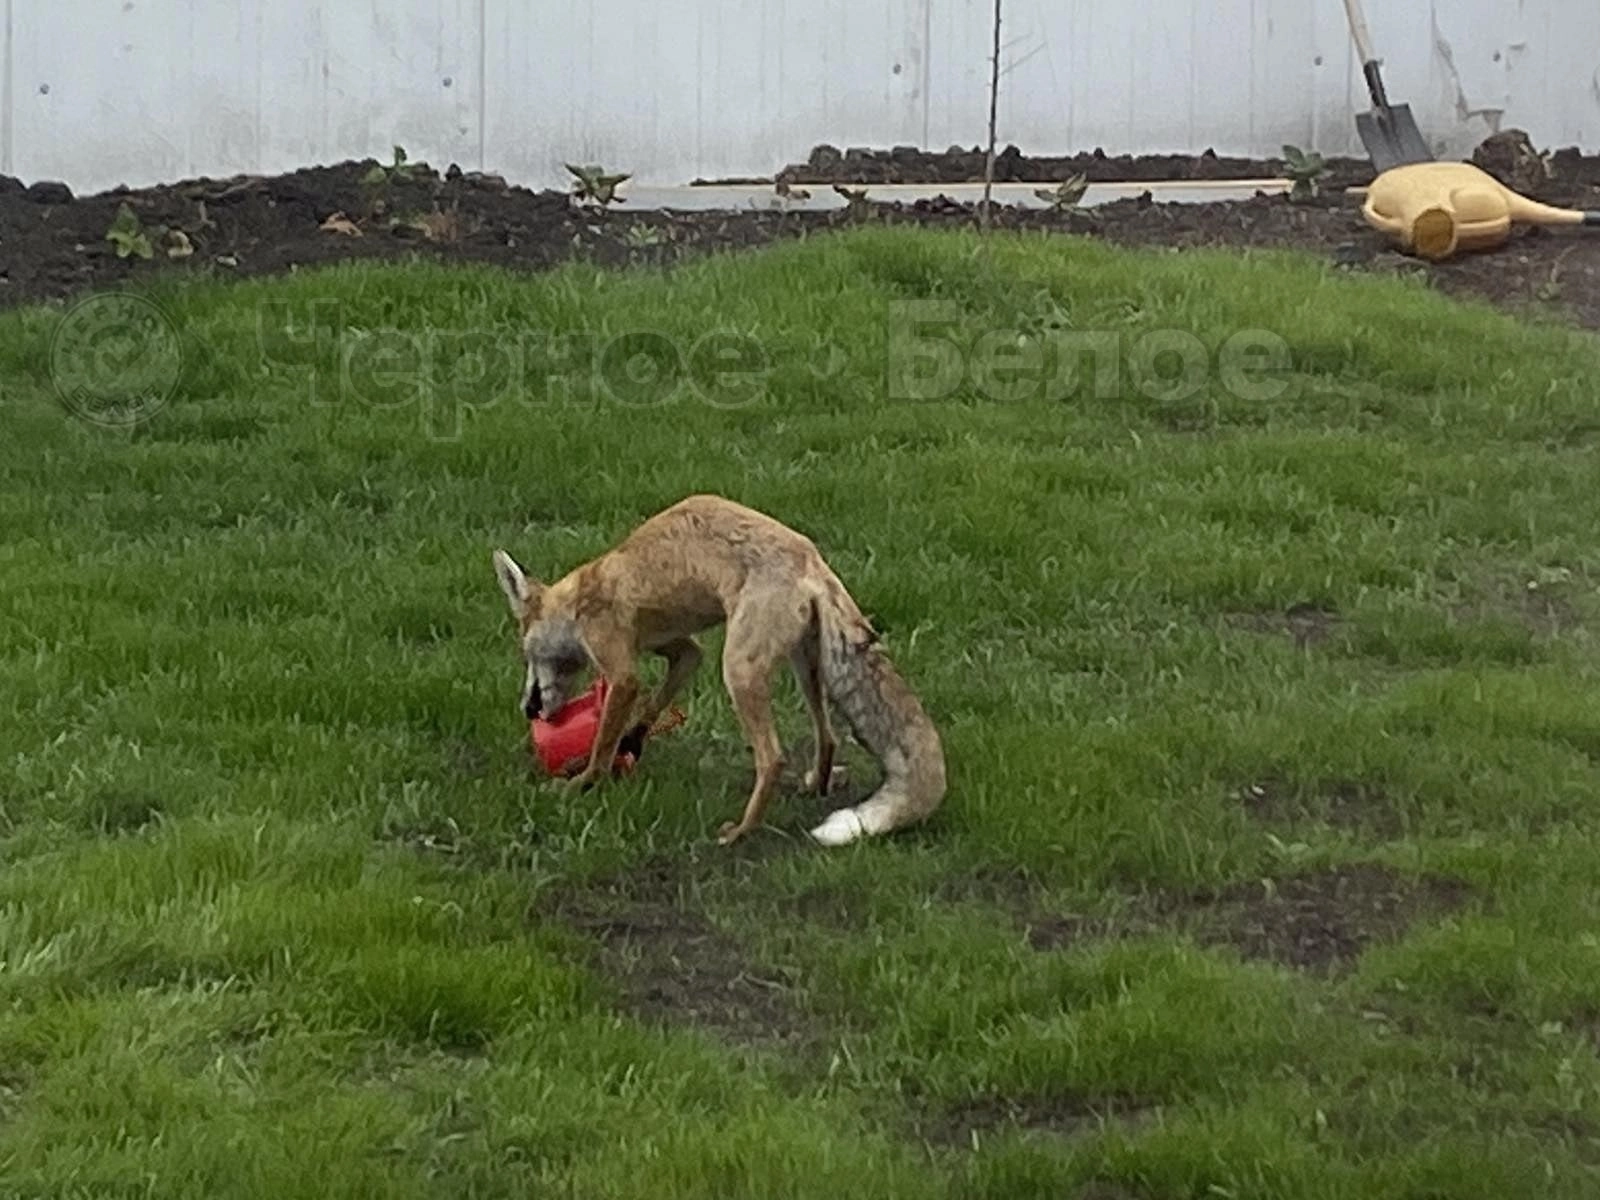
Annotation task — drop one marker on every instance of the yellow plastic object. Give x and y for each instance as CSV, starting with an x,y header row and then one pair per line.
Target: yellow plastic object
x,y
1439,209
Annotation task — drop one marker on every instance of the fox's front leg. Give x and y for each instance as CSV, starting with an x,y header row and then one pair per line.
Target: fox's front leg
x,y
621,694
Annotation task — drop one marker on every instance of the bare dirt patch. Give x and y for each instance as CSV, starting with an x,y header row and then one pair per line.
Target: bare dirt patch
x,y
671,965
1005,887
960,1125
119,810
1055,931
1320,921
832,906
1543,604
1304,624
1547,613
1016,894
1356,805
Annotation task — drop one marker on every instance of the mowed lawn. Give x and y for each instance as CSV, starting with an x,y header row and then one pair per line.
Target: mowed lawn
x,y
1270,865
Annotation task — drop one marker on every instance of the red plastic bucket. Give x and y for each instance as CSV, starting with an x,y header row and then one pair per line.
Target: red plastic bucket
x,y
563,741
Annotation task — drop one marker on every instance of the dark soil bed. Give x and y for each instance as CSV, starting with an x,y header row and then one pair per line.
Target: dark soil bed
x,y
908,164
54,246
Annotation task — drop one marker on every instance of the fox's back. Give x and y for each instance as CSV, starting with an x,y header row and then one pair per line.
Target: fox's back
x,y
705,549
726,530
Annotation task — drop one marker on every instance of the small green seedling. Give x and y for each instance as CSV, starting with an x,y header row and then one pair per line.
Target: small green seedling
x,y
639,235
128,236
379,174
378,178
1305,170
135,240
1065,196
593,184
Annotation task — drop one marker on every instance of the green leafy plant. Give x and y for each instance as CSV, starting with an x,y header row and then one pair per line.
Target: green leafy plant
x,y
1305,170
380,176
1066,195
128,236
639,234
595,185
133,239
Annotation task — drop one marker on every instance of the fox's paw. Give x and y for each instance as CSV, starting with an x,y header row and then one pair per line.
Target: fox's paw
x,y
840,828
730,833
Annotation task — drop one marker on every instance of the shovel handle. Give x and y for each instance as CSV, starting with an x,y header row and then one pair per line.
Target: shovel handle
x,y
1369,60
1358,30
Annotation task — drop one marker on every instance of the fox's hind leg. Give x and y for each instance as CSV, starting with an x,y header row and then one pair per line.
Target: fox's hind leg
x,y
806,660
749,683
683,658
760,632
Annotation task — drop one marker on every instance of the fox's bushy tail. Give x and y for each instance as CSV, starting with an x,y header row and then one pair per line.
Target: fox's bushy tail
x,y
885,716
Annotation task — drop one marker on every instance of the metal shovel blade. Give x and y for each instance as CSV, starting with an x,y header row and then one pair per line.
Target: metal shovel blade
x,y
1392,138
1389,131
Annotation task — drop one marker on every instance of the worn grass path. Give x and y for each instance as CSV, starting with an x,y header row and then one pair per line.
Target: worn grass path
x,y
1269,866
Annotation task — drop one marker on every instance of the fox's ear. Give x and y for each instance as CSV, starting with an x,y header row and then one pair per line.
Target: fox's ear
x,y
514,582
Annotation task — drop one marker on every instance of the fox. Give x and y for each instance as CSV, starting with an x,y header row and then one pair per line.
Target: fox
x,y
708,561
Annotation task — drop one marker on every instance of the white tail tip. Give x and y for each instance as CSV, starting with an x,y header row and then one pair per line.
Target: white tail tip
x,y
841,827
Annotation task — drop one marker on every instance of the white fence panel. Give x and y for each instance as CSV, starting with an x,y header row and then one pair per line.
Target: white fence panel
x,y
100,92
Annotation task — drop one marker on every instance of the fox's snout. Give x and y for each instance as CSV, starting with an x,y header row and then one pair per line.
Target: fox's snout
x,y
530,702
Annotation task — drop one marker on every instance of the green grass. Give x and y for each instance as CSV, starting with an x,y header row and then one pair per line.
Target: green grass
x,y
271,861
